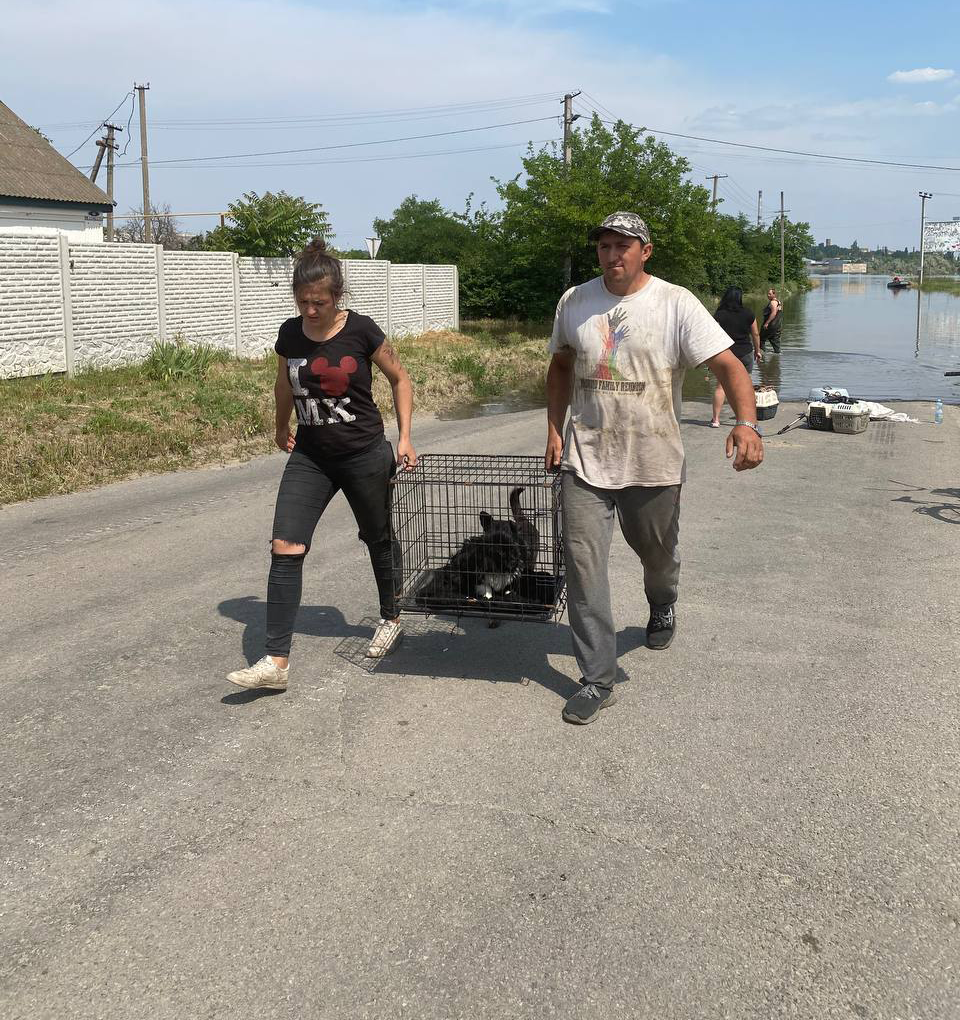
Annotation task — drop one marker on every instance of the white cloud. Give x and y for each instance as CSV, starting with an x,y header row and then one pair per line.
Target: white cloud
x,y
921,76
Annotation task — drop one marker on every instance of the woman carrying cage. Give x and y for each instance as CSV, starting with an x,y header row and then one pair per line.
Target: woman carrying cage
x,y
325,376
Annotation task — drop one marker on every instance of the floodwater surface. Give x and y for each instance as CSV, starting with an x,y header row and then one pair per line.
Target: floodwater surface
x,y
852,331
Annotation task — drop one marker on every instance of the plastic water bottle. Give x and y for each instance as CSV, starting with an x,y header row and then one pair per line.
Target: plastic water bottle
x,y
938,412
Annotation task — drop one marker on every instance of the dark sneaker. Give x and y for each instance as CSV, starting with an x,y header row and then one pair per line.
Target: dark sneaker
x,y
661,627
586,704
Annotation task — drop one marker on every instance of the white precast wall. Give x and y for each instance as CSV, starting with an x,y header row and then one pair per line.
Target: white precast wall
x,y
31,307
266,300
114,294
198,297
368,290
67,305
441,297
406,300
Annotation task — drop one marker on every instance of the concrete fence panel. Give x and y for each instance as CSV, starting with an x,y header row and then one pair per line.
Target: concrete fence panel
x,y
198,297
406,300
31,306
441,304
368,290
115,303
265,301
67,305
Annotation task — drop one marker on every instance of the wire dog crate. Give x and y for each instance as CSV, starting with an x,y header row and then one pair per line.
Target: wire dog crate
x,y
480,535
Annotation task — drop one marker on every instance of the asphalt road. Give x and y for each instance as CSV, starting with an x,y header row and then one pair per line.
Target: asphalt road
x,y
766,825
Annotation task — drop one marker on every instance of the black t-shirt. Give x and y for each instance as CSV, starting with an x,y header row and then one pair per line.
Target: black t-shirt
x,y
332,386
736,324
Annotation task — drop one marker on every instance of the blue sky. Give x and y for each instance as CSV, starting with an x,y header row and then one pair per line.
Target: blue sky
x,y
879,80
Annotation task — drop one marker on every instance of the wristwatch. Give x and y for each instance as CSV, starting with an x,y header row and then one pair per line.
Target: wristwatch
x,y
749,425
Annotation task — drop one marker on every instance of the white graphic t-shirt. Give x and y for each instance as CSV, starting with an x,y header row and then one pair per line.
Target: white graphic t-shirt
x,y
632,353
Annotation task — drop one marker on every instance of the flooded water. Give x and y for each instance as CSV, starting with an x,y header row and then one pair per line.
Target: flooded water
x,y
851,331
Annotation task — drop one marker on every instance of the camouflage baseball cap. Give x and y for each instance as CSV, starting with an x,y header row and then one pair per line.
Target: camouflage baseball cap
x,y
627,223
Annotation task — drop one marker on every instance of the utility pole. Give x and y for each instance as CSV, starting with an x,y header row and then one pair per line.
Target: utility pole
x,y
924,195
714,178
101,145
147,226
568,118
759,207
111,148
782,264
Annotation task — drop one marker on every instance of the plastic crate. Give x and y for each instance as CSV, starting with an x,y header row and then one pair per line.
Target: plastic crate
x,y
767,402
818,416
462,550
850,419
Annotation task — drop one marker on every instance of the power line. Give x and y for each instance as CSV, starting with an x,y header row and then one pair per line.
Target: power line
x,y
100,125
356,159
449,109
798,152
342,145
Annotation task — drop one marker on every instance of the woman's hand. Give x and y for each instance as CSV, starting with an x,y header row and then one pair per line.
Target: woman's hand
x,y
758,355
406,455
285,439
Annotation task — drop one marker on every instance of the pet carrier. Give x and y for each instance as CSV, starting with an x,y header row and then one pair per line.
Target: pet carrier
x,y
767,402
479,535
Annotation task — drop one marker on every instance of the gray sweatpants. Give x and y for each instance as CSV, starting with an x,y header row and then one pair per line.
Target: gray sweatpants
x,y
650,521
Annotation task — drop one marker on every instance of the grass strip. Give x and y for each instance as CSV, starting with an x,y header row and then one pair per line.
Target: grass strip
x,y
60,435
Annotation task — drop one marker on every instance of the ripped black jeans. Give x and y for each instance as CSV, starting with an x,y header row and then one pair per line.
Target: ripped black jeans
x,y
306,489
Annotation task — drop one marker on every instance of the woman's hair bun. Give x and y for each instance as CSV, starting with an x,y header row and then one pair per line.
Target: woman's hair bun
x,y
316,247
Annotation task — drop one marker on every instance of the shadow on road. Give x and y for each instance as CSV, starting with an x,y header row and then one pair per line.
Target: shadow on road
x,y
940,504
434,646
315,621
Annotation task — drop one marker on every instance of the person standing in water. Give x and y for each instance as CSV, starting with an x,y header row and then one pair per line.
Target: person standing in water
x,y
772,322
326,356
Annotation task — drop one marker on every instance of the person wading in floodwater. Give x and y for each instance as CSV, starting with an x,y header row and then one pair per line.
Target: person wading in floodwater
x,y
325,374
772,322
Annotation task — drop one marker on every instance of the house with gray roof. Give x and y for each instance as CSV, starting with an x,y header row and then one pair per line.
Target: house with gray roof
x,y
42,191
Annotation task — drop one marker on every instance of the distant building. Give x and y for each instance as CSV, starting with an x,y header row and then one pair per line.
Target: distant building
x,y
843,266
40,190
827,243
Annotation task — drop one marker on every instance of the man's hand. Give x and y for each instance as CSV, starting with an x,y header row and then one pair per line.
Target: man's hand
x,y
406,455
285,439
554,453
749,447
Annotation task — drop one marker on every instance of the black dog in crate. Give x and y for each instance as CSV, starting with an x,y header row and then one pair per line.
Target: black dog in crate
x,y
497,566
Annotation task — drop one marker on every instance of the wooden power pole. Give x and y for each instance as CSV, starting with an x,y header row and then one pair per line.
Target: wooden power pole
x,y
568,118
759,207
101,145
147,226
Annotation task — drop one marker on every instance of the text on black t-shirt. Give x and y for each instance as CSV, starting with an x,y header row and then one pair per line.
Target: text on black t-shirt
x,y
332,386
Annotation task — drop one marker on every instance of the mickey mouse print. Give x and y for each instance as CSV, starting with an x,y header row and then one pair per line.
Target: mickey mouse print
x,y
332,386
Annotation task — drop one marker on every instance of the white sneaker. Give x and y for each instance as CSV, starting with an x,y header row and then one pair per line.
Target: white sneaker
x,y
388,635
264,674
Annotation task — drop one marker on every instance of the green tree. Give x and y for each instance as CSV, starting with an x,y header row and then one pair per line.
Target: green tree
x,y
269,225
550,208
421,232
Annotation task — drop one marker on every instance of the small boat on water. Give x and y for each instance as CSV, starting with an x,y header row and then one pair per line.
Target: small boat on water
x,y
898,284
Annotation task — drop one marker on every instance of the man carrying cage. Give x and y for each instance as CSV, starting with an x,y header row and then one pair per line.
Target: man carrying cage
x,y
621,344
